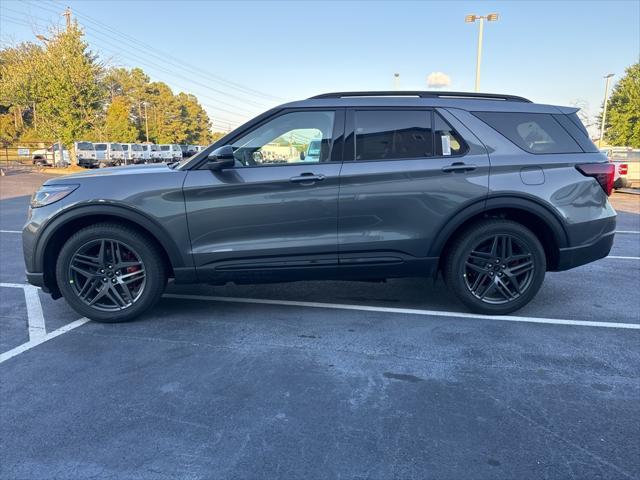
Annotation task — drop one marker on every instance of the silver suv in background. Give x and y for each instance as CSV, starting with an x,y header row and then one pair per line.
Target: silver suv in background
x,y
492,191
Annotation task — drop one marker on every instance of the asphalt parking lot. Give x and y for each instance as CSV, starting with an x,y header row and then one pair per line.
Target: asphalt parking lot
x,y
324,380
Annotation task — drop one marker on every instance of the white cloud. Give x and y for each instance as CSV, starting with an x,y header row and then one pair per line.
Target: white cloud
x,y
438,80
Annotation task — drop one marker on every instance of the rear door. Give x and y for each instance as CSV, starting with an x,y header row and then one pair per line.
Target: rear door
x,y
411,170
275,214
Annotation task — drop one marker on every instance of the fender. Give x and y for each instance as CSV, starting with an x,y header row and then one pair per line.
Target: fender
x,y
114,210
517,201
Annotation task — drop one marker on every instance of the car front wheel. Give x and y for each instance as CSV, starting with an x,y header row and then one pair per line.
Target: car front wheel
x,y
495,267
110,273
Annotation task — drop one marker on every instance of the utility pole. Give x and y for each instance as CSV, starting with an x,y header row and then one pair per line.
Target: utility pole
x,y
492,17
604,111
146,121
67,14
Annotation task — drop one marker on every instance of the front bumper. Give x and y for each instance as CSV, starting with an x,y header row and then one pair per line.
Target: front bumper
x,y
37,280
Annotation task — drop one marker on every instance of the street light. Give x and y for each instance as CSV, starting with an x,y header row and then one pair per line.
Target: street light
x,y
492,17
604,111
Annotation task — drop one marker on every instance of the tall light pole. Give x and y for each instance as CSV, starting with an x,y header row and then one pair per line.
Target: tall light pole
x,y
604,111
396,81
492,17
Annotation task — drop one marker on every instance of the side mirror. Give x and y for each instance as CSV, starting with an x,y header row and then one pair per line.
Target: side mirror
x,y
301,155
221,157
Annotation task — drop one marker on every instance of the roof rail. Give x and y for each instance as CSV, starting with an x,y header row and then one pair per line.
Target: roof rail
x,y
426,94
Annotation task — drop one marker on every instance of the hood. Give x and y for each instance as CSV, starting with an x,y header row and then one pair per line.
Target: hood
x,y
111,172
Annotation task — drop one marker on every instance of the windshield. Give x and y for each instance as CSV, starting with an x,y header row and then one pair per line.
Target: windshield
x,y
164,148
116,147
125,147
85,146
101,147
136,148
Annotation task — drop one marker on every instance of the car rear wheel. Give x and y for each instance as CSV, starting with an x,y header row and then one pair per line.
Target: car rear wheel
x,y
110,273
495,267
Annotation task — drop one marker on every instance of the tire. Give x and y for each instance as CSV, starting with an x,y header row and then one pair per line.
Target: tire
x,y
510,284
126,284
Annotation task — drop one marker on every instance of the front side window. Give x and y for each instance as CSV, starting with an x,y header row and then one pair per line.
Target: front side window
x,y
533,132
393,134
297,137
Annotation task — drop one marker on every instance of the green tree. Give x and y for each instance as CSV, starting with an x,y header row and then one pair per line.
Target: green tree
x,y
118,126
623,112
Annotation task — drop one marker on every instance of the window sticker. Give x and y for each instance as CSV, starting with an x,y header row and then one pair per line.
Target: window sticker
x,y
446,145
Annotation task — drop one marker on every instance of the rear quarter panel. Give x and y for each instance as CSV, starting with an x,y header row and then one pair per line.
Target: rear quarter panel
x,y
549,179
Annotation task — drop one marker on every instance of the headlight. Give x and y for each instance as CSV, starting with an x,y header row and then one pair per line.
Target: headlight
x,y
49,194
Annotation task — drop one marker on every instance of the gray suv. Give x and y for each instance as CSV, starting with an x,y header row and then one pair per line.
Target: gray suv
x,y
490,190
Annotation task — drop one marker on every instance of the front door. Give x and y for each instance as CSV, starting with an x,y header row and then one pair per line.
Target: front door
x,y
275,214
409,172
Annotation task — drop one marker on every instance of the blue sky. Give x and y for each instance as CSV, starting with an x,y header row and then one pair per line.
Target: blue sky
x,y
551,52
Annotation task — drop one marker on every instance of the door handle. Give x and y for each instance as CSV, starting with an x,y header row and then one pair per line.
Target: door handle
x,y
459,167
309,178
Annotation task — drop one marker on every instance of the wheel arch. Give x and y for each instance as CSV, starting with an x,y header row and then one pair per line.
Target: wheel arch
x,y
61,227
542,221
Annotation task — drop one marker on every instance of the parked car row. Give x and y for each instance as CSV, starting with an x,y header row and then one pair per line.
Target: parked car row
x,y
108,154
627,166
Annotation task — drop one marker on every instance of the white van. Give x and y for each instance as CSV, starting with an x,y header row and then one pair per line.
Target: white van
x,y
133,153
103,155
116,153
166,153
176,151
86,154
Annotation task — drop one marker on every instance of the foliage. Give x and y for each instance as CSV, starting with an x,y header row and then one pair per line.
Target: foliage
x,y
61,90
623,112
117,122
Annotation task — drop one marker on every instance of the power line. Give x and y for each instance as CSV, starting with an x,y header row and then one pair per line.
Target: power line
x,y
156,66
172,73
163,55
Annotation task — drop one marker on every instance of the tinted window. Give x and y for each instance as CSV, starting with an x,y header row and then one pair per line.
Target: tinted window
x,y
448,141
101,147
165,148
85,146
533,132
393,134
116,147
287,139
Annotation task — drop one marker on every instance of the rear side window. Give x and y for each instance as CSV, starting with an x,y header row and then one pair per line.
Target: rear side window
x,y
447,140
533,132
393,134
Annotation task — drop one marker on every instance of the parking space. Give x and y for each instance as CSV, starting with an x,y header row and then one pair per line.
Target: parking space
x,y
326,380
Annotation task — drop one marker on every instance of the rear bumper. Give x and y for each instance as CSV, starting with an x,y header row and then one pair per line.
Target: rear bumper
x,y
572,257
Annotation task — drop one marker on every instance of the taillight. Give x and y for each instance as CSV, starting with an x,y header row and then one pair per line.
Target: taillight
x,y
602,172
623,168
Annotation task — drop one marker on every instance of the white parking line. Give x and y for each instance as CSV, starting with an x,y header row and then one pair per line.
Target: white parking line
x,y
34,343
411,311
37,329
35,322
10,231
628,231
617,257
